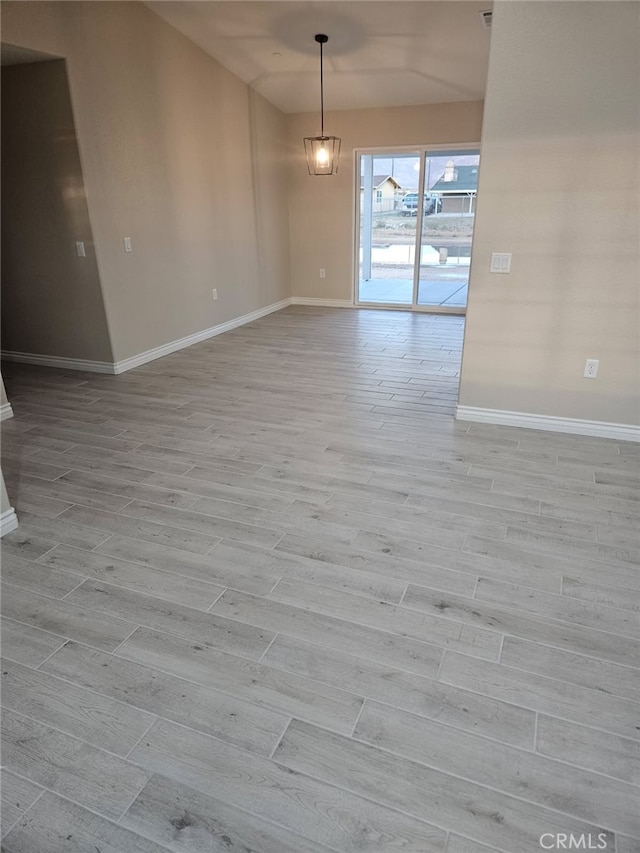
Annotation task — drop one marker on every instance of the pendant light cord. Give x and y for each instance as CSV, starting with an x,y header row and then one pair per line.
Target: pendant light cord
x,y
321,94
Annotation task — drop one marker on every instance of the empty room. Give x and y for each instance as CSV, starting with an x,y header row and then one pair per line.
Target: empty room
x,y
320,426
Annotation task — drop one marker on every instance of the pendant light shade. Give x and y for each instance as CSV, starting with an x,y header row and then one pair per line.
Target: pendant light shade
x,y
322,151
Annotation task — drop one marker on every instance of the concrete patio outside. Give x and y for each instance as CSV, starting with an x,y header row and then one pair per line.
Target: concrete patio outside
x,y
391,282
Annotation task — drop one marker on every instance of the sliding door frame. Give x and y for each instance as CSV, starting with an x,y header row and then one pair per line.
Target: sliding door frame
x,y
423,152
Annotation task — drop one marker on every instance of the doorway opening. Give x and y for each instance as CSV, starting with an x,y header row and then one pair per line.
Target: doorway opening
x,y
415,218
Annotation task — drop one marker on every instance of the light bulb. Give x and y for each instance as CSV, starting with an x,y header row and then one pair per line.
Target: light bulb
x,y
322,157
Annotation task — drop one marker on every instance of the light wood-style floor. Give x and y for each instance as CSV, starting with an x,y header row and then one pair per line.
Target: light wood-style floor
x,y
268,597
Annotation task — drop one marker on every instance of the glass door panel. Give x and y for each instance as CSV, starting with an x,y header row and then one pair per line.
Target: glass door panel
x,y
388,215
451,184
416,217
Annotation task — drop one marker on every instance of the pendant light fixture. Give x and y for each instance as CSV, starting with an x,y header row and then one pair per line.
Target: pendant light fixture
x,y
322,151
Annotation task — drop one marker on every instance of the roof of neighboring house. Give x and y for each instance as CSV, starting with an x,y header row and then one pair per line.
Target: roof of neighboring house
x,y
466,180
378,180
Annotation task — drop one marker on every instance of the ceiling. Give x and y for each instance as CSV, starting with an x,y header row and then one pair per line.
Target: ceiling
x,y
380,52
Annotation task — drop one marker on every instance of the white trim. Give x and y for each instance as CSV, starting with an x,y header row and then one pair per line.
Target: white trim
x,y
198,337
324,303
5,411
550,423
8,521
148,355
58,361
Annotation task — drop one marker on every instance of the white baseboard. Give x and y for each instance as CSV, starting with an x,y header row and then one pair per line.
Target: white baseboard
x,y
322,303
143,357
5,411
198,337
58,361
600,429
8,521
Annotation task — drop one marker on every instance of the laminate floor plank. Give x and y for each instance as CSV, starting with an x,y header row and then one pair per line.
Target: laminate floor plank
x,y
126,492
407,571
459,844
546,577
43,578
300,517
229,564
27,645
540,560
188,821
605,594
69,766
28,500
17,796
316,810
289,694
540,693
195,489
224,484
324,614
65,619
388,617
591,748
325,630
73,493
419,516
107,523
515,623
206,524
426,793
627,845
424,696
171,586
35,536
141,687
563,608
60,826
585,795
79,463
82,713
572,668
211,629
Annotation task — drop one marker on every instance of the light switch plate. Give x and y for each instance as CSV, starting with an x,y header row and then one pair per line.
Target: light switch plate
x,y
500,262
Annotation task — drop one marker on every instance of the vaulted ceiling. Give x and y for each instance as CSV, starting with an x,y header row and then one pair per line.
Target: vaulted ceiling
x,y
380,52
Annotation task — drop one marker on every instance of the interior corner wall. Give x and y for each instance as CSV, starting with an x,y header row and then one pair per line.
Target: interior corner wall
x,y
322,209
179,155
559,189
51,298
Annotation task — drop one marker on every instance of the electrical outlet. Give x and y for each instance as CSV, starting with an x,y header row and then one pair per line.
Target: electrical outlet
x,y
322,272
591,368
214,293
80,249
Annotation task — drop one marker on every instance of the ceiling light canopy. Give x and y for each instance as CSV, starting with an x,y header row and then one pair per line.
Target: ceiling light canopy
x,y
322,151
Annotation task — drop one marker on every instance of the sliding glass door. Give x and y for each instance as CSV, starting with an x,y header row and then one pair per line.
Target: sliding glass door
x,y
415,226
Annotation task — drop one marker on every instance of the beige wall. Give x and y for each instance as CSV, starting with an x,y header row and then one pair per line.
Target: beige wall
x,y
51,299
177,154
321,209
559,189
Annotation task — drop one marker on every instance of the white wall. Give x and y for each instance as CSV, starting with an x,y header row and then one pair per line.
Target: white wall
x,y
559,188
178,154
